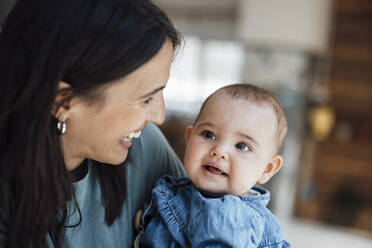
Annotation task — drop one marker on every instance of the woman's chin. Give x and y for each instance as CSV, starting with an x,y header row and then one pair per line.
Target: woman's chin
x,y
115,160
121,160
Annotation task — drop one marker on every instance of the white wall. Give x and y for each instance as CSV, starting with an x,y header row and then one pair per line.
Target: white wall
x,y
299,24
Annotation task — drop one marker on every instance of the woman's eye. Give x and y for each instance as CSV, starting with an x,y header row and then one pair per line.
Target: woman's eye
x,y
208,135
147,101
243,147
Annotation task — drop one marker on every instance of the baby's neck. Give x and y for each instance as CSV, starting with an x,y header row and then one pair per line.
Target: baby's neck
x,y
208,194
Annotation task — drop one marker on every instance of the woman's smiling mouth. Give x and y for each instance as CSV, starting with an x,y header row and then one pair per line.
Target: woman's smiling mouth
x,y
132,135
126,141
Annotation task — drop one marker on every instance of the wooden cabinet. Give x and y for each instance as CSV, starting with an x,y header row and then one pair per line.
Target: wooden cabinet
x,y
338,188
341,185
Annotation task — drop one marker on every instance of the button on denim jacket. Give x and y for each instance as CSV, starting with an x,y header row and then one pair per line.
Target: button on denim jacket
x,y
179,216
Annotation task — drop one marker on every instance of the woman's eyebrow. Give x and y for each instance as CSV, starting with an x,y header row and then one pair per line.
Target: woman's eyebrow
x,y
153,92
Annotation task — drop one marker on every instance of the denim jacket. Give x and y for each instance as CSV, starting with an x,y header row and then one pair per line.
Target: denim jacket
x,y
180,216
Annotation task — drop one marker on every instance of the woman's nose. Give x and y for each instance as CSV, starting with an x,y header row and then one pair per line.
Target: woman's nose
x,y
219,152
157,113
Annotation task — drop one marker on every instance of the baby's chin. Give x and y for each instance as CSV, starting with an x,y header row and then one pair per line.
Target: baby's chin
x,y
213,190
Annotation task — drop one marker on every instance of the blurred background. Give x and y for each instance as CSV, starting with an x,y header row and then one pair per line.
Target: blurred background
x,y
316,57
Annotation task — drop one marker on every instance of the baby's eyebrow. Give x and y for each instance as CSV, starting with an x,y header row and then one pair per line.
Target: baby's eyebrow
x,y
248,137
205,124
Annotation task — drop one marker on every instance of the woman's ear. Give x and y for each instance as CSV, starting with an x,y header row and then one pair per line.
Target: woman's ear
x,y
271,169
62,101
188,132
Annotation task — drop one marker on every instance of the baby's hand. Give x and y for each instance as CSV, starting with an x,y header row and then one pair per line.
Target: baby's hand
x,y
137,220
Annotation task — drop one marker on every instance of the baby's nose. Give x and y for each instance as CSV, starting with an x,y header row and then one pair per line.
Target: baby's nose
x,y
219,153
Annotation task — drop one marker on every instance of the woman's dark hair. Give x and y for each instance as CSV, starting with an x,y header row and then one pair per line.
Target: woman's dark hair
x,y
88,44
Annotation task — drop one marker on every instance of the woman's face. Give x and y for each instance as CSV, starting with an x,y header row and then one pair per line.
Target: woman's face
x,y
104,133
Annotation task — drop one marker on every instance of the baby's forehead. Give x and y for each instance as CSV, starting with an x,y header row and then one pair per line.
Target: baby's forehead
x,y
222,103
225,97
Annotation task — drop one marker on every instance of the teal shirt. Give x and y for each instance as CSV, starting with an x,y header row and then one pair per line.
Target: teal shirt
x,y
150,158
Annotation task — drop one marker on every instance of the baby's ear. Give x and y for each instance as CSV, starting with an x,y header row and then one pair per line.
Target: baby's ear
x,y
188,132
271,168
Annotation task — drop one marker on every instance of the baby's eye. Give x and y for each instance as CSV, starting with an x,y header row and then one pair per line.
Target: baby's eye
x,y
208,135
243,147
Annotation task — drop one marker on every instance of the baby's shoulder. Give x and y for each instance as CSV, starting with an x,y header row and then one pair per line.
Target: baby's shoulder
x,y
272,234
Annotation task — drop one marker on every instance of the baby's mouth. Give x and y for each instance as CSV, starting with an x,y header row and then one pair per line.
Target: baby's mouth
x,y
215,170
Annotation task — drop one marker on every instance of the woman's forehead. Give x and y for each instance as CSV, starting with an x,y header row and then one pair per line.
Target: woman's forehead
x,y
147,78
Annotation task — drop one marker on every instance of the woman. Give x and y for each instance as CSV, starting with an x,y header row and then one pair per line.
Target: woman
x,y
80,79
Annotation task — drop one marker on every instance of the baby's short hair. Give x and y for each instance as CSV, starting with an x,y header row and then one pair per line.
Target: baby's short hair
x,y
257,96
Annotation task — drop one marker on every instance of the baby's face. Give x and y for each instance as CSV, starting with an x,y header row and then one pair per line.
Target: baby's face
x,y
230,146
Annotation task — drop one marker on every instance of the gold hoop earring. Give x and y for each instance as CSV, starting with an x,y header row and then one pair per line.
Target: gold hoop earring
x,y
61,126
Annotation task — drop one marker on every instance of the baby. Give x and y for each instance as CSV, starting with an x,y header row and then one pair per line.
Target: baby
x,y
233,145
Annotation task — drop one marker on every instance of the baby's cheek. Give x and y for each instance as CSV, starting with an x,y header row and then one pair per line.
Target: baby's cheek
x,y
242,182
193,150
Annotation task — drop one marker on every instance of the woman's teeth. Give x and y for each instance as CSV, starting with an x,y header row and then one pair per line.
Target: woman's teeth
x,y
131,136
